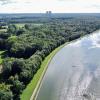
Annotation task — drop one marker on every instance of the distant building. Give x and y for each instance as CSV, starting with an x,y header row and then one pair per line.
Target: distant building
x,y
48,13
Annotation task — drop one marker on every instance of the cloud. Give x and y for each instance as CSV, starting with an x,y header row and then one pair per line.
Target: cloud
x,y
4,2
96,6
64,6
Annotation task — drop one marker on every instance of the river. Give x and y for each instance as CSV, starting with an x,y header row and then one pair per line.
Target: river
x,y
74,72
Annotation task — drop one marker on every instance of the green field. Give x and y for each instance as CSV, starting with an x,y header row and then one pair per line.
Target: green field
x,y
33,86
20,25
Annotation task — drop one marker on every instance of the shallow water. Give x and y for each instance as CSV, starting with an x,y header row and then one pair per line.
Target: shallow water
x,y
74,72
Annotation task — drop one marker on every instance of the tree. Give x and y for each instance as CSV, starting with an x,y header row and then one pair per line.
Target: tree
x,y
27,26
5,92
17,88
12,29
17,66
25,76
7,67
20,31
6,95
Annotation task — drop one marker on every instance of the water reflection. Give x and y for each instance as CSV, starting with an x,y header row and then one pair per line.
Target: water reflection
x,y
62,81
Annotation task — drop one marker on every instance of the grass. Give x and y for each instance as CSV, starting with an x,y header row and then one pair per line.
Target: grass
x,y
33,86
1,59
20,25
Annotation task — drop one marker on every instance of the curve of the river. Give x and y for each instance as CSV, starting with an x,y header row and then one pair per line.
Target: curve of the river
x,y
74,72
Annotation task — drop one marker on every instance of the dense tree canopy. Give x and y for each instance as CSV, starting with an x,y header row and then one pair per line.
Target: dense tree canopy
x,y
5,93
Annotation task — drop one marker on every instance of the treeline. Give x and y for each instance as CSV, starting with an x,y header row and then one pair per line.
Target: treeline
x,y
28,46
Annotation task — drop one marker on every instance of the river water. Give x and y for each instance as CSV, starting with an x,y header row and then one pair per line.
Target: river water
x,y
74,72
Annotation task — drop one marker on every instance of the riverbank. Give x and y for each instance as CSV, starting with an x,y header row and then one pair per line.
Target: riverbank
x,y
31,90
74,82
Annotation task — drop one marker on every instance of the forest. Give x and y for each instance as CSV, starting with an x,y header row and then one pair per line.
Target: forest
x,y
24,44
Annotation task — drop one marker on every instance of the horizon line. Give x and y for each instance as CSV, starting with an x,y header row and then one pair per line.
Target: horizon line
x,y
53,13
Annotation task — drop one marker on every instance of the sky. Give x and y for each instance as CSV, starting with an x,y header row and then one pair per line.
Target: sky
x,y
56,6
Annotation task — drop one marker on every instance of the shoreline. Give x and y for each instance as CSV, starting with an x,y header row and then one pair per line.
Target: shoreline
x,y
37,88
43,67
35,94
